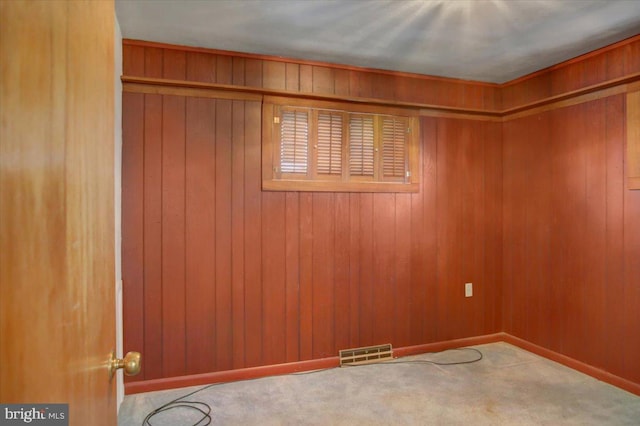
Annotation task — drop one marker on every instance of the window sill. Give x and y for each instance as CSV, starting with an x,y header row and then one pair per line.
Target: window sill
x,y
333,186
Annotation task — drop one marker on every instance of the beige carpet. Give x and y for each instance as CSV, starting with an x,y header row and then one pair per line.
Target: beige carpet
x,y
509,386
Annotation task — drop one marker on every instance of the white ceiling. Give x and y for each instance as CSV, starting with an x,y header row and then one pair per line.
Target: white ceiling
x,y
484,40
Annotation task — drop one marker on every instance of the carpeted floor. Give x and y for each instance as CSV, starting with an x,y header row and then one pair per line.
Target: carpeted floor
x,y
509,386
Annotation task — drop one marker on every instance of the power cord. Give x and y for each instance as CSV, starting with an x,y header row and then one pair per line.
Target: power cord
x,y
205,409
425,361
202,407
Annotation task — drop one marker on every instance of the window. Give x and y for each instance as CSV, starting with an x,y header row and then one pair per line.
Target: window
x,y
329,146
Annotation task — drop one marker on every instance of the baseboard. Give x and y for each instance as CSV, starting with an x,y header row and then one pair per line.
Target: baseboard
x,y
293,367
587,369
229,375
317,364
447,344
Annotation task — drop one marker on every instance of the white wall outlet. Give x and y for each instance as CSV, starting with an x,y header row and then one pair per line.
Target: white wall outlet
x,y
468,290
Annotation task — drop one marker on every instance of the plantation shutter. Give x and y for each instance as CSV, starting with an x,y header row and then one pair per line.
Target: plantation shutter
x,y
394,141
329,143
294,146
361,145
327,146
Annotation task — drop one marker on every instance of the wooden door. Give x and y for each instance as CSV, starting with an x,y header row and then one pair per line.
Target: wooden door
x,y
57,321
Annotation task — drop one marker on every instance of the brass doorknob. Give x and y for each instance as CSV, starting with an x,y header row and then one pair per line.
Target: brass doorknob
x,y
130,364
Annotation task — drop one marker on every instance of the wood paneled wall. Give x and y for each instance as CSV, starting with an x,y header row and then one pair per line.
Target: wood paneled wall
x,y
531,208
571,224
153,60
605,65
220,275
572,236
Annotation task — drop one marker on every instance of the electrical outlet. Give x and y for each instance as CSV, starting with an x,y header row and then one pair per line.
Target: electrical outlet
x,y
468,290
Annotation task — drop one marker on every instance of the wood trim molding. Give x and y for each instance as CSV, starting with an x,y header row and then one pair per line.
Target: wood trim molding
x,y
587,369
166,89
620,84
447,344
567,101
230,375
228,91
333,362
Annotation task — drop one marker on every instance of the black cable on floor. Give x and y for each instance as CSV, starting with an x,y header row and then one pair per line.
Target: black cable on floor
x,y
202,407
424,361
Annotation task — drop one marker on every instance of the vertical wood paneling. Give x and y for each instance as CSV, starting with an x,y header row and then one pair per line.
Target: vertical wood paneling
x,y
132,60
274,75
200,238
569,238
223,324
610,63
306,276
224,69
538,232
383,267
474,230
305,75
615,248
292,77
632,283
152,197
341,251
361,84
341,82
323,275
253,237
365,294
273,278
383,86
451,137
533,211
133,221
402,265
594,291
173,236
238,232
354,270
493,227
238,76
174,65
573,265
153,62
253,72
292,268
201,67
563,214
322,80
424,244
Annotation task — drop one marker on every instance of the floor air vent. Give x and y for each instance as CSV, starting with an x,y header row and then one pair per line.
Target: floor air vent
x,y
366,355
